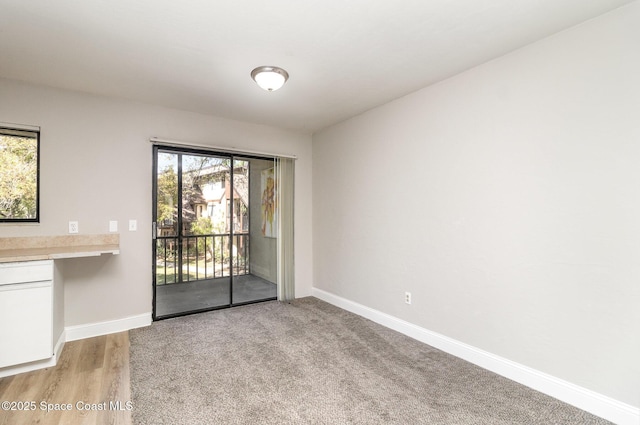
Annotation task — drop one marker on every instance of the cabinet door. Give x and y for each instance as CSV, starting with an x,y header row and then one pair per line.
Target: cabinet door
x,y
25,323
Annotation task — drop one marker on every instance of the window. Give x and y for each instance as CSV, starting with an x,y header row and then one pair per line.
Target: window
x,y
19,174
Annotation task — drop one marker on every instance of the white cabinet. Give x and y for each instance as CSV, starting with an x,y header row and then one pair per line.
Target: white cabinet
x,y
32,332
26,312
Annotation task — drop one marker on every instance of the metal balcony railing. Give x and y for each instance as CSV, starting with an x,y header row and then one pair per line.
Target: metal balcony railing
x,y
201,257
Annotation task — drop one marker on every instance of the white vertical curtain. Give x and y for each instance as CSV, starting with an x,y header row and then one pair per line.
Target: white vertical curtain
x,y
286,276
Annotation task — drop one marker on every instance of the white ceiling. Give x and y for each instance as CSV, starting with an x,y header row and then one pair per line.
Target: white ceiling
x,y
343,56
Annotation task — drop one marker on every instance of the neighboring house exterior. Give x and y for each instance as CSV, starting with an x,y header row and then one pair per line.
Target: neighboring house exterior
x,y
208,195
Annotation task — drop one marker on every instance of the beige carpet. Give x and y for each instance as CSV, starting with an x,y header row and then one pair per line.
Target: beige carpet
x,y
309,362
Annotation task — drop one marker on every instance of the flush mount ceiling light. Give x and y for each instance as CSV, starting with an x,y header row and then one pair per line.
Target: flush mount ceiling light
x,y
269,78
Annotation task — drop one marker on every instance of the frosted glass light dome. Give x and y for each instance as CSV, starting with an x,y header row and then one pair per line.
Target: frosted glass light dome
x,y
269,78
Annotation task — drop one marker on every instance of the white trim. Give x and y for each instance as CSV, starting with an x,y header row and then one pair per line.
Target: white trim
x,y
582,398
38,364
90,330
74,333
174,143
59,346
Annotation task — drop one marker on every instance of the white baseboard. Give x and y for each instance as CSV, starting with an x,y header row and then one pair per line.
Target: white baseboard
x,y
39,364
582,398
90,330
74,333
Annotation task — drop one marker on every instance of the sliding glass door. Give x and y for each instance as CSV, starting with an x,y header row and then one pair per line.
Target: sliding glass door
x,y
210,249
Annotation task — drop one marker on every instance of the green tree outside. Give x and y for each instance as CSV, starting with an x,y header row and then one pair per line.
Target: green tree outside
x,y
167,194
18,177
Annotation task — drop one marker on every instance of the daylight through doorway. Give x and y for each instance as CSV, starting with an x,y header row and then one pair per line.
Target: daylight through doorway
x,y
214,242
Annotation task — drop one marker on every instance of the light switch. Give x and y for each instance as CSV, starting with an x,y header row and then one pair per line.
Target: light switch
x,y
133,225
113,226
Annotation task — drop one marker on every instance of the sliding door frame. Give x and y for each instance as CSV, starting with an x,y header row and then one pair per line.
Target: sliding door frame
x,y
180,151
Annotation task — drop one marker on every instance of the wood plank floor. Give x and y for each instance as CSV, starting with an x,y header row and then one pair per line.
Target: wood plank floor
x,y
92,376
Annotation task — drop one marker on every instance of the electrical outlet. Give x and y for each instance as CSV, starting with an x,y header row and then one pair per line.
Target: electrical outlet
x,y
73,227
113,226
407,297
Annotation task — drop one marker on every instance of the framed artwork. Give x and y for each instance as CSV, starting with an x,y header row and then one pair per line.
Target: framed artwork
x,y
269,203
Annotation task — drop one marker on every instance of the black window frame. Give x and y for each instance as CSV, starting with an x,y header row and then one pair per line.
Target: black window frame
x,y
7,129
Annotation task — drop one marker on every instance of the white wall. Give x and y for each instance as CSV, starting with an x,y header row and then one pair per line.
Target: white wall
x,y
96,166
507,201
